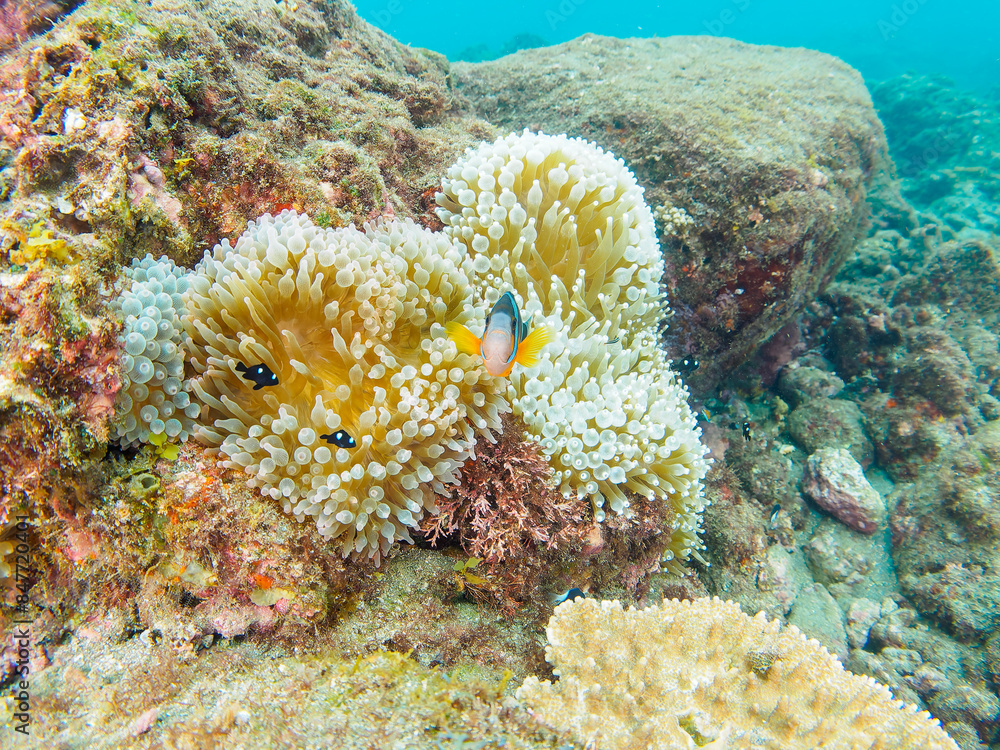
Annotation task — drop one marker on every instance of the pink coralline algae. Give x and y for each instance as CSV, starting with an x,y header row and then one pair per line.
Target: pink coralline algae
x,y
836,482
148,181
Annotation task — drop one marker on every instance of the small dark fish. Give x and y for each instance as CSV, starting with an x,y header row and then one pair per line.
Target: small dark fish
x,y
774,514
339,438
260,375
747,432
685,366
570,595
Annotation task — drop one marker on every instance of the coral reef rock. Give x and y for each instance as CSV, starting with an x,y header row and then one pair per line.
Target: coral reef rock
x,y
837,483
774,179
703,674
156,127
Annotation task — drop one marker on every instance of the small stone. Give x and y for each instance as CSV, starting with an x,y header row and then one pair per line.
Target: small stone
x,y
893,626
964,735
993,656
927,680
242,718
849,564
865,662
966,704
818,615
989,407
971,608
786,575
144,722
831,423
903,661
861,615
800,384
73,120
832,556
837,483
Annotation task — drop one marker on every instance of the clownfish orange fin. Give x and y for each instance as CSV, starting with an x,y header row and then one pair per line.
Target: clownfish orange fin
x,y
528,349
466,341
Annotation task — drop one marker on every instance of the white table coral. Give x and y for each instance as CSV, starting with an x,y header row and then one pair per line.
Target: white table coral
x,y
702,674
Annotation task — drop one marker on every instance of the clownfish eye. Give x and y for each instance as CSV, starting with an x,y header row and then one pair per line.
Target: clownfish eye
x,y
339,438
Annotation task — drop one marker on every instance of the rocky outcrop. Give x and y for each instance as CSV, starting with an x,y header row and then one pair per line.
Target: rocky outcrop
x,y
770,151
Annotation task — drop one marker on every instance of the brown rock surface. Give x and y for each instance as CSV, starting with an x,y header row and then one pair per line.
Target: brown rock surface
x,y
770,150
163,127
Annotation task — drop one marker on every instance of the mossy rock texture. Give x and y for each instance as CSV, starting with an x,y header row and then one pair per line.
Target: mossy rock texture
x,y
770,150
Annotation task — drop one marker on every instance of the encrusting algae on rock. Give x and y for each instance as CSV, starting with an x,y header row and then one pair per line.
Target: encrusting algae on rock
x,y
701,673
323,367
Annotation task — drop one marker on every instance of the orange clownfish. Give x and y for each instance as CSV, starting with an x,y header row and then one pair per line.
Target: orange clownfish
x,y
505,340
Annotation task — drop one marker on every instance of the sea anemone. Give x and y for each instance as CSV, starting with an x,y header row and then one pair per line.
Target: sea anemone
x,y
326,374
153,402
564,226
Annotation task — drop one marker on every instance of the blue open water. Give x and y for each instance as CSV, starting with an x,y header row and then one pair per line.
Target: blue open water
x,y
881,39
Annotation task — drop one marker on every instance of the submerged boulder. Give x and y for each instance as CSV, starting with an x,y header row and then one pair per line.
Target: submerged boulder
x,y
761,158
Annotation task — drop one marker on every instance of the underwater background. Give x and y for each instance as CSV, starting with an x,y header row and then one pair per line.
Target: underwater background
x,y
880,40
263,482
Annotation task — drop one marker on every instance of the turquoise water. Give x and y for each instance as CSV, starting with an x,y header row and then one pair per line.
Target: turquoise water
x,y
880,39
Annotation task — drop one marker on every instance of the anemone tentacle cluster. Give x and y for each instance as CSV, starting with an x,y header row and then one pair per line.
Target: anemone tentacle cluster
x,y
321,366
370,408
564,226
153,402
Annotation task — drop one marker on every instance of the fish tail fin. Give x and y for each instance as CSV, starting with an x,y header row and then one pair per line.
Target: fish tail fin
x,y
466,341
527,352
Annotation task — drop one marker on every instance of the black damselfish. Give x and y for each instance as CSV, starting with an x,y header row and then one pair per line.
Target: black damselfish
x,y
685,366
259,375
339,438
